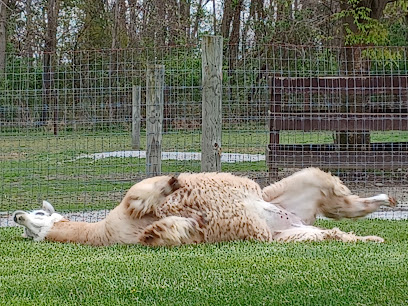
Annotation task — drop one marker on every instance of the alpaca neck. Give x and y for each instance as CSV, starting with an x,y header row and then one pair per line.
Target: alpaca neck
x,y
79,232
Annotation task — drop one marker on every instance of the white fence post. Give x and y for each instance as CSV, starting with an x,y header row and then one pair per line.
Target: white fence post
x,y
212,103
154,118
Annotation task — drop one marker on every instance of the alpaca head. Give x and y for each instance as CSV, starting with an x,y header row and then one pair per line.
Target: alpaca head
x,y
37,223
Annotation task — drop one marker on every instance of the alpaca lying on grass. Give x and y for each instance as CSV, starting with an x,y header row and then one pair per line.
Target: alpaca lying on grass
x,y
211,207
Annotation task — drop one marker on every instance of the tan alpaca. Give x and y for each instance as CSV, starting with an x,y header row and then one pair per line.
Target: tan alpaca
x,y
122,225
211,207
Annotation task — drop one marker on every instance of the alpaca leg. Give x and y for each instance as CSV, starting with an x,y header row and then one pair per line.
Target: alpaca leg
x,y
352,206
311,191
144,197
172,230
299,193
311,233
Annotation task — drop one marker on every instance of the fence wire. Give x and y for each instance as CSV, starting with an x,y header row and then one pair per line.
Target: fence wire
x,y
66,120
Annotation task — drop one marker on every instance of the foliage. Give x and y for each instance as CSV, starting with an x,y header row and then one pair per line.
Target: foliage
x,y
306,26
87,24
364,30
398,34
396,17
385,60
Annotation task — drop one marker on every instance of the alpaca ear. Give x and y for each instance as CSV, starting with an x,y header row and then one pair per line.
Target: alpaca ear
x,y
48,207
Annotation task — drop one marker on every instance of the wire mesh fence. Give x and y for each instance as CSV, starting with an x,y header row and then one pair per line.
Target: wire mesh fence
x,y
66,120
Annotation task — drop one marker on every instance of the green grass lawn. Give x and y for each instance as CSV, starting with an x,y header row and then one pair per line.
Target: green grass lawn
x,y
38,166
238,273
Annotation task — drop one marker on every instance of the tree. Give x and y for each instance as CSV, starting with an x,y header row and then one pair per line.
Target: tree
x,y
50,47
361,28
3,33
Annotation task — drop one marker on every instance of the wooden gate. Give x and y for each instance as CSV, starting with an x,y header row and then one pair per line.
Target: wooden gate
x,y
353,105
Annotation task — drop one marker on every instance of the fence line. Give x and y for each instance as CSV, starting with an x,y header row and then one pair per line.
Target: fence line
x,y
92,110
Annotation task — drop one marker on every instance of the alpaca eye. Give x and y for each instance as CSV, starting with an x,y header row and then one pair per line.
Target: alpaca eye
x,y
40,213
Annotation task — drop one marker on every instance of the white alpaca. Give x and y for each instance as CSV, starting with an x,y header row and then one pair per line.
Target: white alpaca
x,y
211,207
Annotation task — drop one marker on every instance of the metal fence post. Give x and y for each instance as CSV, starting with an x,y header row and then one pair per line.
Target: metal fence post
x,y
212,103
136,116
154,118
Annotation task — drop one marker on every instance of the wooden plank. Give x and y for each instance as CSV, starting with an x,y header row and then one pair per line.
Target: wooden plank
x,y
339,121
339,159
378,156
136,116
211,103
396,147
154,118
367,85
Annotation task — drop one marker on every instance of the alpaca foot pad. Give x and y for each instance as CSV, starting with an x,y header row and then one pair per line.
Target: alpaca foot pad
x,y
174,185
171,230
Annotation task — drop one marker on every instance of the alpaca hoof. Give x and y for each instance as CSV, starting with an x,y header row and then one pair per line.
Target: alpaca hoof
x,y
374,239
392,202
173,185
148,238
170,231
151,237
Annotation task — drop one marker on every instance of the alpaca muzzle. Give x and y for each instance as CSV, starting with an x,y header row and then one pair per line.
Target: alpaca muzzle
x,y
18,216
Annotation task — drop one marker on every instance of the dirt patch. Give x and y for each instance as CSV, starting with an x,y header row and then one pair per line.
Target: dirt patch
x,y
13,155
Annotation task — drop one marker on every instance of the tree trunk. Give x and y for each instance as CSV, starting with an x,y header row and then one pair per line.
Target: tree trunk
x,y
214,18
197,19
29,41
115,25
49,97
3,35
227,18
257,13
236,23
185,18
356,65
232,53
173,26
235,35
160,23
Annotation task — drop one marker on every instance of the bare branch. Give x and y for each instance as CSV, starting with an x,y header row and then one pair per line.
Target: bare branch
x,y
5,4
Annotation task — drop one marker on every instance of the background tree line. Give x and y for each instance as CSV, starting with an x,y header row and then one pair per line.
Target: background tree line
x,y
32,32
29,26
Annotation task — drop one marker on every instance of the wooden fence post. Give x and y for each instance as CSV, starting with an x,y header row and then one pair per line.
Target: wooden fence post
x,y
136,116
212,103
154,118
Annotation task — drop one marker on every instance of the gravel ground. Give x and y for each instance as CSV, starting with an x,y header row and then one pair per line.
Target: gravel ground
x,y
180,156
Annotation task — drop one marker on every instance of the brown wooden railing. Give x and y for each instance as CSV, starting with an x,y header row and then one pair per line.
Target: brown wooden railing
x,y
349,105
